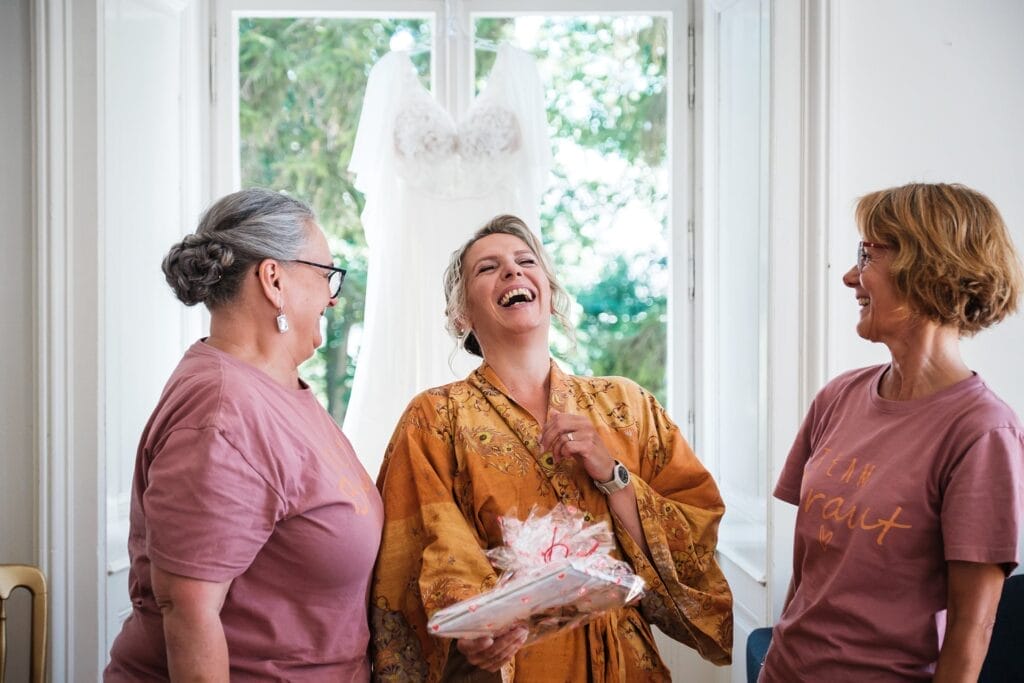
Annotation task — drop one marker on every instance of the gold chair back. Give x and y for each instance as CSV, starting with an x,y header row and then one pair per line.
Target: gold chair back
x,y
21,575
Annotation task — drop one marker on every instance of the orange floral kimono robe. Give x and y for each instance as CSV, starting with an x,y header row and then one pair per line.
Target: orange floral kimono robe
x,y
465,454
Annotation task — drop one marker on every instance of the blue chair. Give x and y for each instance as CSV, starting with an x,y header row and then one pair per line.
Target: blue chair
x,y
757,647
1005,658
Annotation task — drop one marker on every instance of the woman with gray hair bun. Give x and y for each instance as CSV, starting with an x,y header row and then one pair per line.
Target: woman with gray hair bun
x,y
254,528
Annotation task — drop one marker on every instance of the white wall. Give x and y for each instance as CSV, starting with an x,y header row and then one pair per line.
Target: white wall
x,y
927,90
932,92
17,390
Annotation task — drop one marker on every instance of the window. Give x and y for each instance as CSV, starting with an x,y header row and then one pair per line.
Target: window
x,y
605,213
616,196
300,85
732,387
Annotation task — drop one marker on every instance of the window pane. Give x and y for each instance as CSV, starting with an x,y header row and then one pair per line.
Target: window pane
x,y
740,280
605,213
301,86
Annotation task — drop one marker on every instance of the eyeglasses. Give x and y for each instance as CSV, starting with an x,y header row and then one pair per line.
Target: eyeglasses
x,y
335,276
862,253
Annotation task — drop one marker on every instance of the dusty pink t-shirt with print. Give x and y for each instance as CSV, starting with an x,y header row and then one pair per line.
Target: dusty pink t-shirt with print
x,y
888,492
240,479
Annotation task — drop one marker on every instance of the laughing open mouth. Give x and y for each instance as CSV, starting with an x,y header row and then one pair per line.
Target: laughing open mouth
x,y
515,296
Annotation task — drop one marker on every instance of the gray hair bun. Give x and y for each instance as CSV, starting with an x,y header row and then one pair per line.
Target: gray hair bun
x,y
194,266
237,232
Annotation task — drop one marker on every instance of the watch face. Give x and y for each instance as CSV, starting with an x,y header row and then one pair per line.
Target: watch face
x,y
622,473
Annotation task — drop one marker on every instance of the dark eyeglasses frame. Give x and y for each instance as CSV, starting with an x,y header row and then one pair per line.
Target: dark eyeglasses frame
x,y
863,255
334,272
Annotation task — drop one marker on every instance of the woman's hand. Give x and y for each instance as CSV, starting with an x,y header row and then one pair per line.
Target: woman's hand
x,y
574,436
490,653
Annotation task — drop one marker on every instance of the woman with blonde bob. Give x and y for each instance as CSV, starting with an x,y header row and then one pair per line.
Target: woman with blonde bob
x,y
908,475
519,432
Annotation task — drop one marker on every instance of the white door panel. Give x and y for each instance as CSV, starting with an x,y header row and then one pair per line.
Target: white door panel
x,y
151,107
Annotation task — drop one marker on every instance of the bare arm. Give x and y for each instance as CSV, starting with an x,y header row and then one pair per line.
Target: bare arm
x,y
196,648
973,596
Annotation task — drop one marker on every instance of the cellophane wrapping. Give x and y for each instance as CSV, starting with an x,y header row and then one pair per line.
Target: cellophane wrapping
x,y
557,572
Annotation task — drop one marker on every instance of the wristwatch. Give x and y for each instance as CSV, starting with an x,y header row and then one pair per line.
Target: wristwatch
x,y
619,480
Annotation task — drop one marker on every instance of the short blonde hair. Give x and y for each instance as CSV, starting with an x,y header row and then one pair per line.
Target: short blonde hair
x,y
953,259
455,280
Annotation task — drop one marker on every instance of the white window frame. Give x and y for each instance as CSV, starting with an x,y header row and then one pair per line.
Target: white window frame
x,y
712,351
453,86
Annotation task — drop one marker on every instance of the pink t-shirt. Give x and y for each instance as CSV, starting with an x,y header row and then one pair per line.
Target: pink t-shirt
x,y
240,479
888,492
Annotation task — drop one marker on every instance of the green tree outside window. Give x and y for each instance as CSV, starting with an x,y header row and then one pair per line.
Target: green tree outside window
x,y
301,84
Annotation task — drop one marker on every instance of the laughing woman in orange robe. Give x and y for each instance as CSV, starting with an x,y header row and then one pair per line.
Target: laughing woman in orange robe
x,y
519,432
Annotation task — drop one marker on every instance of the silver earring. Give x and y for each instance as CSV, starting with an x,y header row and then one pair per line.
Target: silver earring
x,y
282,321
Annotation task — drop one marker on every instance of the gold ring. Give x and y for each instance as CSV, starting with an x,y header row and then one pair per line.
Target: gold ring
x,y
568,435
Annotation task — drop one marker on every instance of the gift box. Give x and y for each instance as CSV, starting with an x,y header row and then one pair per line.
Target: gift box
x,y
557,573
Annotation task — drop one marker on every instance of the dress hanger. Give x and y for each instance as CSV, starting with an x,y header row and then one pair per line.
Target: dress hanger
x,y
455,29
485,45
403,41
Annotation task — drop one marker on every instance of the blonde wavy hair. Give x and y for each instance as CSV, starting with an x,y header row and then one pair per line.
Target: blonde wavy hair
x,y
455,281
952,256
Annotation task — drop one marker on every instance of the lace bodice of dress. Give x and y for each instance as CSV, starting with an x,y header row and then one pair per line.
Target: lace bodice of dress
x,y
446,159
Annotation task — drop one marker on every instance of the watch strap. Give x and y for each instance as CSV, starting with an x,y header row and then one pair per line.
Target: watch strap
x,y
620,480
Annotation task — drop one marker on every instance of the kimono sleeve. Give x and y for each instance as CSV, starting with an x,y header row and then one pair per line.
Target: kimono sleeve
x,y
430,557
208,512
680,507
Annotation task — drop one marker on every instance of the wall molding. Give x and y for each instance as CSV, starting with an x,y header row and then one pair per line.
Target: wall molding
x,y
66,93
815,193
49,159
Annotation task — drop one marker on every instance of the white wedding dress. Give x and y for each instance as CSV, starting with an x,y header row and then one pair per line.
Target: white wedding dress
x,y
429,182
